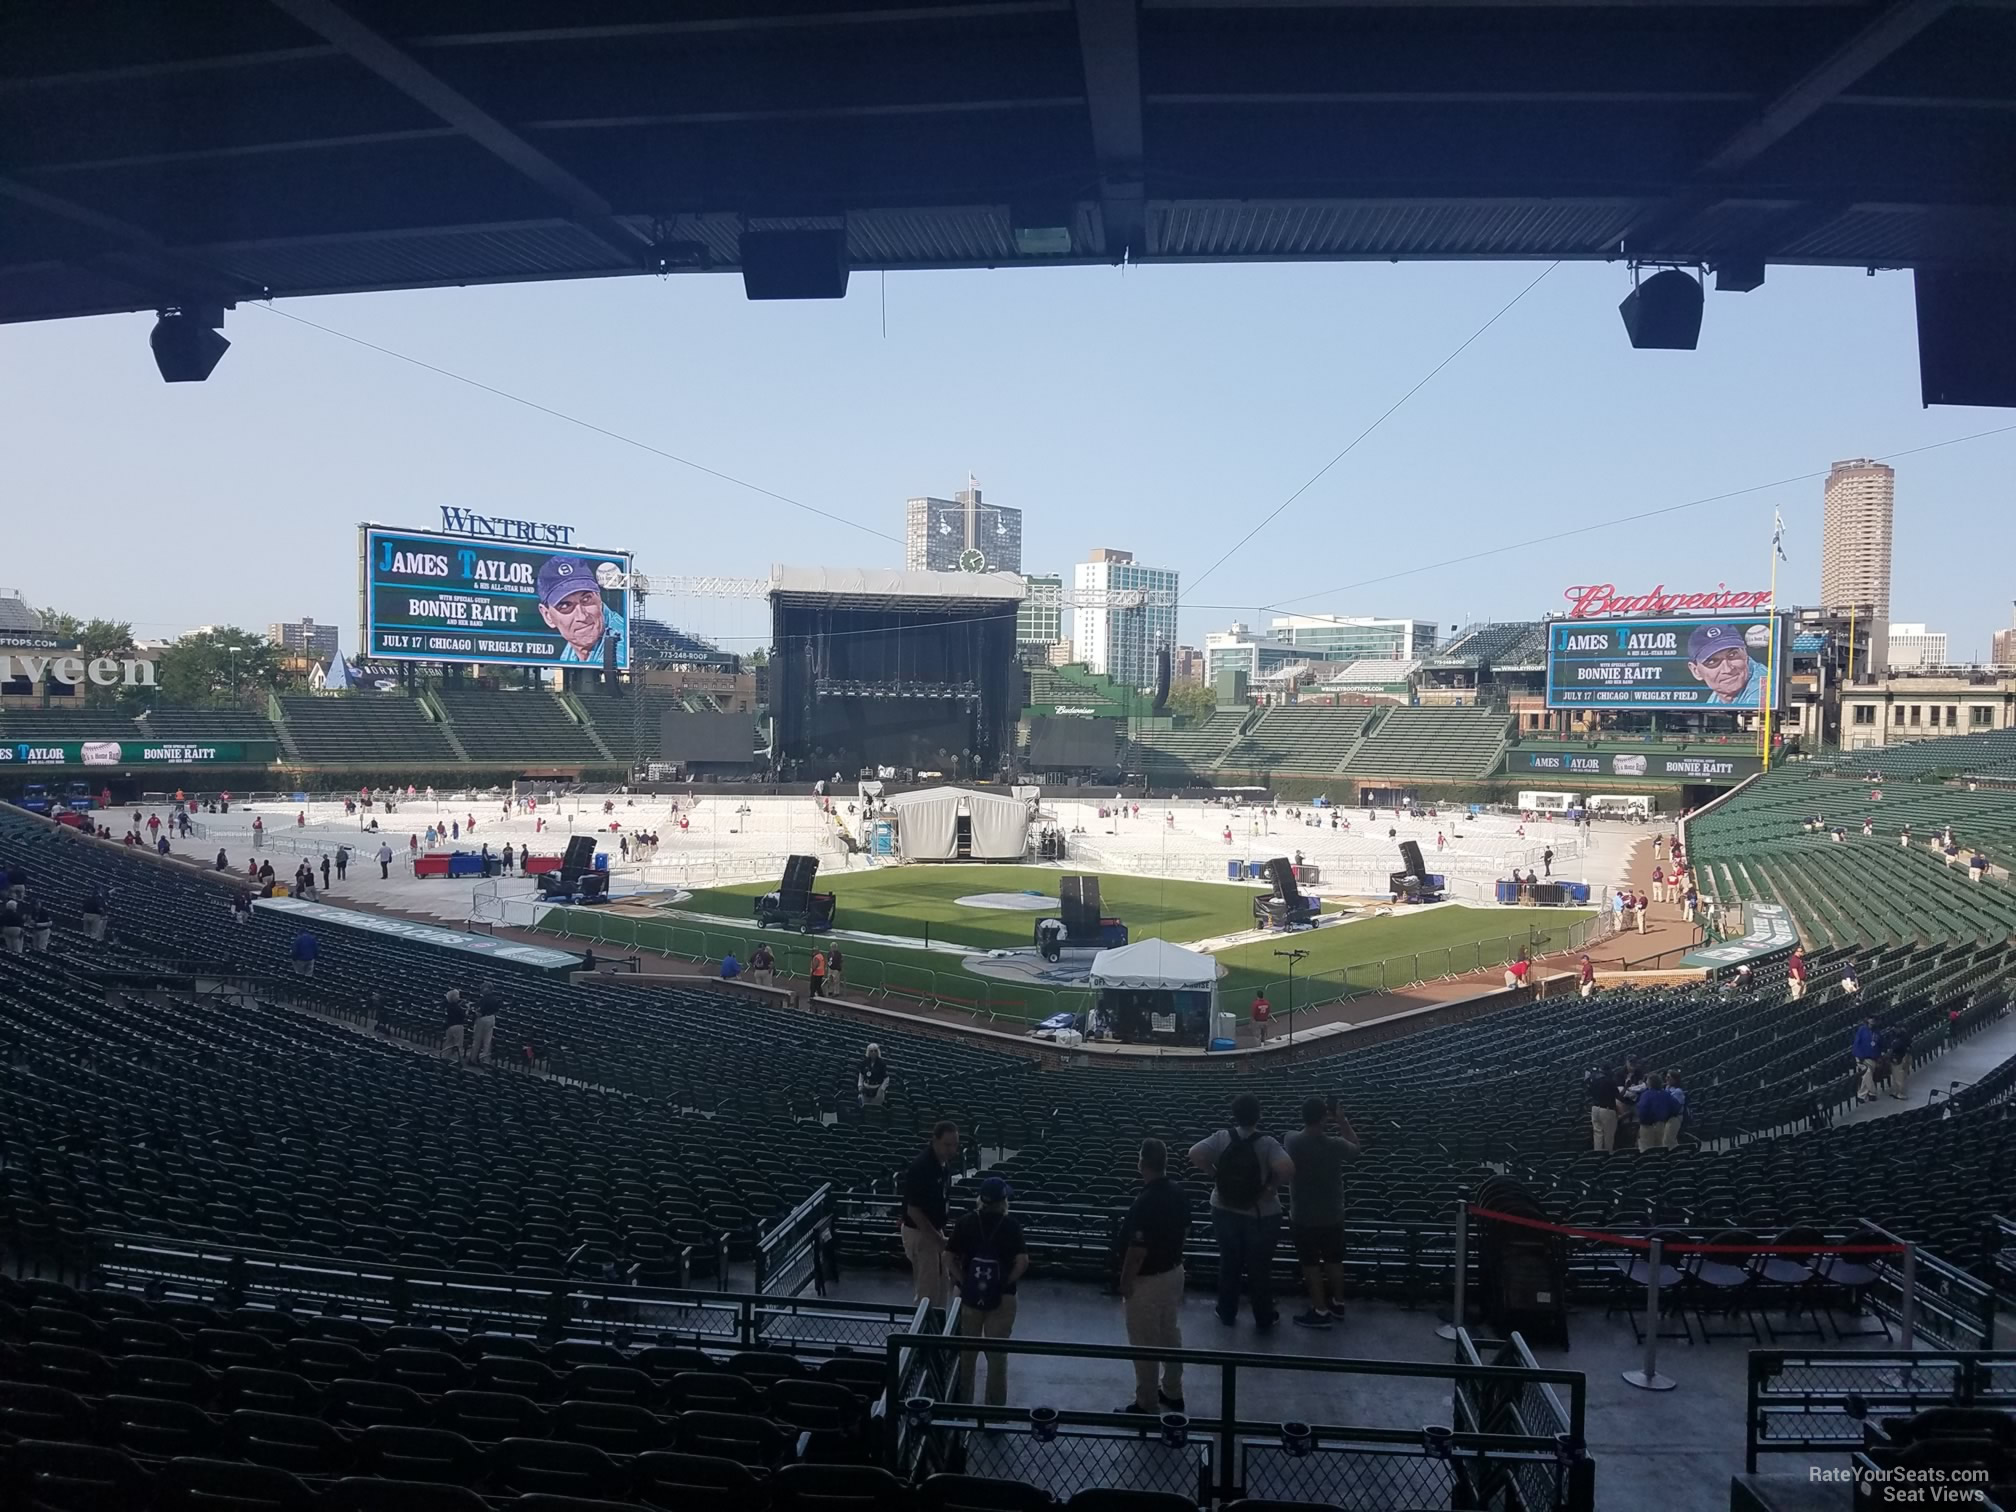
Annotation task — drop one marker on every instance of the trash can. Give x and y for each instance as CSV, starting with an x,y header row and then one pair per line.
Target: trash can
x,y
1232,871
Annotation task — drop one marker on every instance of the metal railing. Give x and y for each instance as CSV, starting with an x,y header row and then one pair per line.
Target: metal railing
x,y
1230,1455
1815,1401
791,1254
1949,1307
529,1306
1531,1408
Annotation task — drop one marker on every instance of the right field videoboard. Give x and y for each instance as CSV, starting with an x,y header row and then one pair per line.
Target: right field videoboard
x,y
1727,662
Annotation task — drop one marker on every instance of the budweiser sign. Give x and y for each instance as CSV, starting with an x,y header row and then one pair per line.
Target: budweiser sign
x,y
1595,600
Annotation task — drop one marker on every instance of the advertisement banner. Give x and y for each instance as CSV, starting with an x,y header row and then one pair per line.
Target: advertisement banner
x,y
132,751
1653,764
431,597
1707,663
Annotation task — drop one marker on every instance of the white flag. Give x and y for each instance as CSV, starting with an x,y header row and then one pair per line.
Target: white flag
x,y
1778,535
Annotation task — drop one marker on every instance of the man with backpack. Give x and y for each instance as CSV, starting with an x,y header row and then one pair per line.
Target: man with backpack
x,y
1247,1170
989,1257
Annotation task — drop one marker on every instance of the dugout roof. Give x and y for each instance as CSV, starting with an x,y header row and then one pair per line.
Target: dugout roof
x,y
183,151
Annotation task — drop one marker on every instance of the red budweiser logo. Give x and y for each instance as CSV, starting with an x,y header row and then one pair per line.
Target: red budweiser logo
x,y
1590,600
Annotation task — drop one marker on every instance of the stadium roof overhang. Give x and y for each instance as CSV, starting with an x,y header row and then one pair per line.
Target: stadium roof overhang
x,y
884,589
203,152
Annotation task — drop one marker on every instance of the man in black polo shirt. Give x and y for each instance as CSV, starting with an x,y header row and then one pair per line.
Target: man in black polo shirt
x,y
927,1194
1606,1097
1151,1279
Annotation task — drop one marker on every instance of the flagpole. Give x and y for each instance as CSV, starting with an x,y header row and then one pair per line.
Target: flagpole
x,y
1771,646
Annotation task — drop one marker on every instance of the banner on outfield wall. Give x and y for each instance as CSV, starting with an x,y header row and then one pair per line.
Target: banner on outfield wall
x,y
135,752
1769,931
1654,766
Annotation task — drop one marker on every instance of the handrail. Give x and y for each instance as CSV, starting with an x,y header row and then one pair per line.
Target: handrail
x,y
798,1234
904,1354
507,1302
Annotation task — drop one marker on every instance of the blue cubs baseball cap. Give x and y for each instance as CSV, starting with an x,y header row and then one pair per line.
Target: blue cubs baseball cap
x,y
563,575
994,1189
1701,645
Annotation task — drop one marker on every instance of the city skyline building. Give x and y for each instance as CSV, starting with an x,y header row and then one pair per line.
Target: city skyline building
x,y
1241,648
2002,647
1117,639
1855,536
1916,646
303,638
1359,637
961,534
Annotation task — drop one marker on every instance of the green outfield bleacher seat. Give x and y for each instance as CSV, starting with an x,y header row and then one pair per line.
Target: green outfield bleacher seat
x,y
528,724
1432,744
168,722
1307,738
1186,754
375,728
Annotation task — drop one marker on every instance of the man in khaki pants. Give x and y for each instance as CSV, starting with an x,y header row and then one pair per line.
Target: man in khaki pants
x,y
927,1193
1151,1281
990,1258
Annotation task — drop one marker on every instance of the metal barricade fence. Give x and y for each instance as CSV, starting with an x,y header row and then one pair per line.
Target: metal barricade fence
x,y
1811,1402
1234,1454
1531,1408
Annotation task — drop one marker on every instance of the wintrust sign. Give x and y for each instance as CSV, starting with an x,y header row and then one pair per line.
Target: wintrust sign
x,y
496,528
104,671
1597,600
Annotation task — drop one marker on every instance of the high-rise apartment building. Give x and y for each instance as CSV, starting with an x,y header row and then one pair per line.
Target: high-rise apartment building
x,y
1855,547
1916,646
961,534
303,639
1113,631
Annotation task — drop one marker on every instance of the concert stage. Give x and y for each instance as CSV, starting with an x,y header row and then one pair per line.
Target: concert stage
x,y
910,670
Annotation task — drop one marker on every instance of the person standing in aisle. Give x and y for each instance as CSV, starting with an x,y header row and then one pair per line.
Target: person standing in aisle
x,y
990,1258
927,1200
1151,1281
1248,1169
1316,1206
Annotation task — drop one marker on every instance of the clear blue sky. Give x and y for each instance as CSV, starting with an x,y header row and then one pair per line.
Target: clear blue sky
x,y
1163,410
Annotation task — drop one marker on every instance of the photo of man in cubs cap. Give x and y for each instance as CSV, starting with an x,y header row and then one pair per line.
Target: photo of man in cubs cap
x,y
570,601
1720,656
